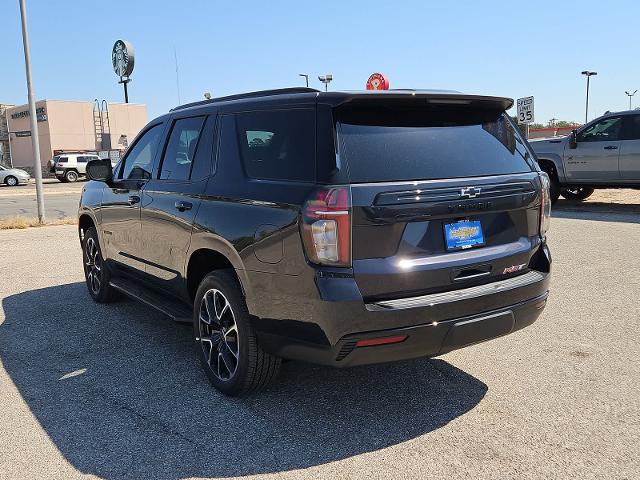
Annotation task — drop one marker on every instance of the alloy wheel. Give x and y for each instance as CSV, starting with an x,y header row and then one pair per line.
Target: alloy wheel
x,y
219,334
93,265
12,181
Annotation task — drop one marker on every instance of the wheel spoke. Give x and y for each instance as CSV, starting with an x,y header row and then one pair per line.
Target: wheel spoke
x,y
229,361
221,305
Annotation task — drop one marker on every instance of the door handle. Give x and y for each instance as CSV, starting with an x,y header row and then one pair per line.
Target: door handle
x,y
182,206
610,147
133,199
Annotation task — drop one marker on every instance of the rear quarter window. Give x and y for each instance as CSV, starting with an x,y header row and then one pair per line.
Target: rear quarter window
x,y
278,144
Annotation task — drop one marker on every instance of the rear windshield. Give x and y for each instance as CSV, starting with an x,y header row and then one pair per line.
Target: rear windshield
x,y
400,145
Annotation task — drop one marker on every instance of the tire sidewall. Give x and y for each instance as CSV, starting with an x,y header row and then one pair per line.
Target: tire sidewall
x,y
71,176
585,193
228,285
104,293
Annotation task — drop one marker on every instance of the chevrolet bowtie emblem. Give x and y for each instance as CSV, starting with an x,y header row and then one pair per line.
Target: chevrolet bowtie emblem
x,y
469,192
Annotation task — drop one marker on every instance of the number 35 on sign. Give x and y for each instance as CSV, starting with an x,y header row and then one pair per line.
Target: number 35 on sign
x,y
525,110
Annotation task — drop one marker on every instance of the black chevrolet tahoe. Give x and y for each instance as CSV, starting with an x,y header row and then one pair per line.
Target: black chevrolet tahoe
x,y
340,228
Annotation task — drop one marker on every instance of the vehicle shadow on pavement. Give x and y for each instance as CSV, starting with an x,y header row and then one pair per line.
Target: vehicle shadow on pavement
x,y
598,211
119,391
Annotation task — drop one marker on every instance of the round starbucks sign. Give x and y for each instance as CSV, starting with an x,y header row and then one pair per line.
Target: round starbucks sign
x,y
122,58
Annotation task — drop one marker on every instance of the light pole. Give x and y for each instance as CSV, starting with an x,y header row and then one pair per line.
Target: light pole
x,y
586,112
326,79
306,78
35,139
631,95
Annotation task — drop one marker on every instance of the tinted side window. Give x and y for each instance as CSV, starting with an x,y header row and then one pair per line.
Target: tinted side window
x,y
632,127
139,161
83,159
278,144
204,154
181,149
606,130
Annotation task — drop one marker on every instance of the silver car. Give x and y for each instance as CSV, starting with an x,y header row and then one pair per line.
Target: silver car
x,y
13,176
604,153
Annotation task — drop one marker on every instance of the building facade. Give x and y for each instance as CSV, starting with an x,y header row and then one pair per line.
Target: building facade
x,y
63,126
5,157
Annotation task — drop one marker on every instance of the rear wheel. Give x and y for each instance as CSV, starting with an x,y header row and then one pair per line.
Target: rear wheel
x,y
11,181
71,176
96,273
577,193
225,340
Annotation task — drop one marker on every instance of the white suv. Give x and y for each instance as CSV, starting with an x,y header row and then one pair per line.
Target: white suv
x,y
68,167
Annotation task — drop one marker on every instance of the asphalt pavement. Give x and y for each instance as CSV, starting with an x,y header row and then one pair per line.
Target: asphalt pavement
x,y
115,391
61,200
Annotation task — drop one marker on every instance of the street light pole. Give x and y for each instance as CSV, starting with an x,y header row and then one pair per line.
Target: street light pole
x,y
586,112
326,79
35,139
631,95
306,78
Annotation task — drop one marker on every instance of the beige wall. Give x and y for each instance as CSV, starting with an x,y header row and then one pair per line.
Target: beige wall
x,y
70,126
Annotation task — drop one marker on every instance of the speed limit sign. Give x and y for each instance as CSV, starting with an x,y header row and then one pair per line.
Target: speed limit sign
x,y
525,110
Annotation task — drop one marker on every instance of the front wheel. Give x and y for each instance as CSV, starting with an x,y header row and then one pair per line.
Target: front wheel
x,y
11,181
225,340
96,272
577,193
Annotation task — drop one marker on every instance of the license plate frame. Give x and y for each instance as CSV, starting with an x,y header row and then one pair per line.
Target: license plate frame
x,y
463,234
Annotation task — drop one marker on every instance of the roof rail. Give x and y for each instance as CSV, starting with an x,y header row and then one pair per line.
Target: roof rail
x,y
240,96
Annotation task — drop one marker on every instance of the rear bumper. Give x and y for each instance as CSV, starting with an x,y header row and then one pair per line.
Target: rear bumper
x,y
425,340
320,319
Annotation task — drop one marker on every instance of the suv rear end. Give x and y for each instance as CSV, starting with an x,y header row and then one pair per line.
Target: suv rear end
x,y
426,235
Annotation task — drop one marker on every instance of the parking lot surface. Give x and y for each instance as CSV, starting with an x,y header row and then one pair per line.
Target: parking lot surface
x,y
115,391
61,200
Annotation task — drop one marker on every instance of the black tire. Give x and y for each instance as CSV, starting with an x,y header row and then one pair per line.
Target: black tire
x,y
96,273
71,176
577,193
230,356
554,185
11,181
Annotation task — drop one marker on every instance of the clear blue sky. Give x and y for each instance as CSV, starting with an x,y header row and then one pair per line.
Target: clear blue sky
x,y
493,47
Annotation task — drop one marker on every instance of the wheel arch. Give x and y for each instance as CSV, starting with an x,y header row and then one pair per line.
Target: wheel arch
x,y
552,164
85,222
211,256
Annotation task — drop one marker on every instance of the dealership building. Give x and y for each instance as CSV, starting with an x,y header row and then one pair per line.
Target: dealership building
x,y
70,126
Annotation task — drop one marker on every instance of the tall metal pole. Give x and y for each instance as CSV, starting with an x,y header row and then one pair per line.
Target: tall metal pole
x,y
586,112
35,139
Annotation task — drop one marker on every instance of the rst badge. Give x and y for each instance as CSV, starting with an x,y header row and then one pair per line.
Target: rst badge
x,y
514,268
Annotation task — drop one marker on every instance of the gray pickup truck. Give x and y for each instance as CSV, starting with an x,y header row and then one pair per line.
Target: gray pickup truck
x,y
604,153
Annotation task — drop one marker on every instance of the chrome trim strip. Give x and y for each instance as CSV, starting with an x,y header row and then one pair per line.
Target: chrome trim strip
x,y
457,295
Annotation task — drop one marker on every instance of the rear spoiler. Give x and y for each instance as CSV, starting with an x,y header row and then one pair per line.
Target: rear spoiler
x,y
416,97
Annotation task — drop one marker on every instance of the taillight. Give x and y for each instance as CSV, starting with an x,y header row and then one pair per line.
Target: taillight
x,y
326,227
545,206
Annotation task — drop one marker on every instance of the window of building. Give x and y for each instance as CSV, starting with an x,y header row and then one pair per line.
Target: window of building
x,y
278,144
181,149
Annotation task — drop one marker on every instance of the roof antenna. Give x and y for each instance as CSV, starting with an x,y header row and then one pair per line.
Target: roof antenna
x,y
175,56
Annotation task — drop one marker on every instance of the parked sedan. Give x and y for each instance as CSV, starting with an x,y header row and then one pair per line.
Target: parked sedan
x,y
13,176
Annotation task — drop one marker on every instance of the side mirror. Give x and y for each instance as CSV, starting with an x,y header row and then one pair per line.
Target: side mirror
x,y
573,139
100,170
